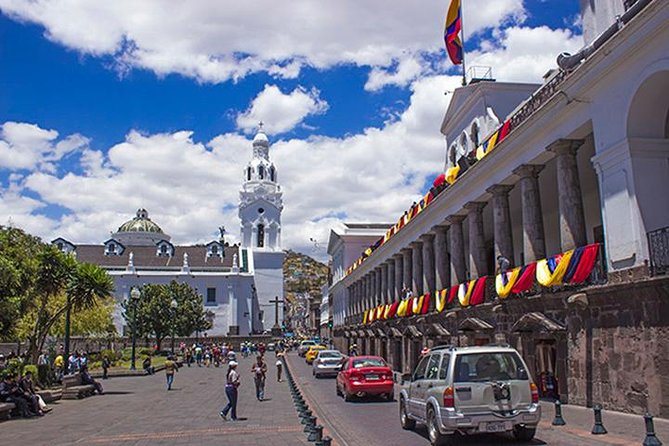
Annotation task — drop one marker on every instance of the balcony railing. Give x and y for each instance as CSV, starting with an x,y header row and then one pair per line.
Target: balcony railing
x,y
658,248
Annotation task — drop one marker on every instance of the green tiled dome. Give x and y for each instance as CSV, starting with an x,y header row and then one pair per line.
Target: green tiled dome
x,y
141,223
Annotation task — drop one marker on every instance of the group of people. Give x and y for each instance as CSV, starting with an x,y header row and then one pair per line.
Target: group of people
x,y
259,373
206,355
23,394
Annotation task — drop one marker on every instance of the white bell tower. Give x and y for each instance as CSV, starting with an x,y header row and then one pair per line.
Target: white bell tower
x,y
261,200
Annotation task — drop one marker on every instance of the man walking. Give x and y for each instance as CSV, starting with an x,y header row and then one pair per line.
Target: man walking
x,y
231,385
170,367
279,365
259,370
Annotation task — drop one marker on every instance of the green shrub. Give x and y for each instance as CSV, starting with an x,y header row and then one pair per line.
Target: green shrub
x,y
29,368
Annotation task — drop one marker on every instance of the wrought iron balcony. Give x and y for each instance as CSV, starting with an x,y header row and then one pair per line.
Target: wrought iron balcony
x,y
658,249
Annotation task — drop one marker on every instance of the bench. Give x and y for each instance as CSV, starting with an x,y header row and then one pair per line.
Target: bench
x,y
6,410
73,389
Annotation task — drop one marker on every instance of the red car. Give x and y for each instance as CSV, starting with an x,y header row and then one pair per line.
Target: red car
x,y
363,376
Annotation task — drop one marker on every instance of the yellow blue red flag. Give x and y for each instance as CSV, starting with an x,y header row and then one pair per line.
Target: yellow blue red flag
x,y
452,32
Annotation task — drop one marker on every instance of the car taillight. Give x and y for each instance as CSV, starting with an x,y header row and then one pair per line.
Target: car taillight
x,y
449,397
535,392
356,377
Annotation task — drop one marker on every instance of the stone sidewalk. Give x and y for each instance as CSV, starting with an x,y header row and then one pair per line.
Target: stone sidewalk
x,y
623,428
139,411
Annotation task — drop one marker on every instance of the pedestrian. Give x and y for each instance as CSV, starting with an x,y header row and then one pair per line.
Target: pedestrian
x,y
170,367
259,370
105,367
231,385
279,365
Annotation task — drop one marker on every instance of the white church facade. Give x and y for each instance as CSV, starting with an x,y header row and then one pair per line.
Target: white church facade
x,y
236,282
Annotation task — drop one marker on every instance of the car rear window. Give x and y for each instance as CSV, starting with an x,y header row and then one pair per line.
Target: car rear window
x,y
308,343
481,367
367,362
329,355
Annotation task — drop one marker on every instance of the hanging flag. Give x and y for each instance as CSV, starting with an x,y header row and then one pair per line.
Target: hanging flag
x,y
581,264
453,293
452,32
441,297
426,304
478,293
550,271
452,174
525,278
505,282
465,292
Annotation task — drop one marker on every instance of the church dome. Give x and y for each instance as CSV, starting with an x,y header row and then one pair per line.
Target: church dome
x,y
141,223
261,139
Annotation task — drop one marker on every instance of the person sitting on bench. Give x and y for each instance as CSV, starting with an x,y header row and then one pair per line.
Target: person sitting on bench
x,y
11,393
87,379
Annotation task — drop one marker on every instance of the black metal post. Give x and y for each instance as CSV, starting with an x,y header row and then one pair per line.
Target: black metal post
x,y
598,428
66,352
651,439
134,334
558,420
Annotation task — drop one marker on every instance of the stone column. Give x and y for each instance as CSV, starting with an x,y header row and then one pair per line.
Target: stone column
x,y
384,283
379,286
372,293
478,265
534,242
501,217
390,294
442,271
417,260
428,263
408,269
399,273
457,250
572,220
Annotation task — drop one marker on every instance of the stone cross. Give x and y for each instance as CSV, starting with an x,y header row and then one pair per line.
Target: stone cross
x,y
276,301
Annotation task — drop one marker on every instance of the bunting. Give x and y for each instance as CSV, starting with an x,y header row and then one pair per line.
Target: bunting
x,y
426,304
550,271
417,304
478,293
453,293
364,317
440,299
392,310
505,281
525,278
452,174
465,293
581,264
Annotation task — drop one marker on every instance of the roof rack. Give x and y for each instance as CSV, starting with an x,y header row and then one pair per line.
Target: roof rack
x,y
443,347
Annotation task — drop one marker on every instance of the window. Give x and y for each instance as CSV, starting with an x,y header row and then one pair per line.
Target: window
x,y
443,371
60,246
272,173
433,367
261,236
483,367
214,249
261,172
248,173
163,249
211,295
419,373
111,248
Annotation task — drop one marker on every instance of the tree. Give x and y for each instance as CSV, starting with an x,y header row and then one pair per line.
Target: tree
x,y
156,317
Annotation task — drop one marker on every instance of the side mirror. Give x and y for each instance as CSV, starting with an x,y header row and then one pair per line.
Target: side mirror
x,y
406,377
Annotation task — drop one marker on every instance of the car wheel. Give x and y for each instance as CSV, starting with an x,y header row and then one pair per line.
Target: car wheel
x,y
522,433
347,396
406,422
436,437
338,391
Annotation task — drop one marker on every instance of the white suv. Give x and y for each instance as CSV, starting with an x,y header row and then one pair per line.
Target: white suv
x,y
470,390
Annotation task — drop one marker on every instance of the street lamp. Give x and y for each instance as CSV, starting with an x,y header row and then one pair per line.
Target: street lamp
x,y
174,306
134,298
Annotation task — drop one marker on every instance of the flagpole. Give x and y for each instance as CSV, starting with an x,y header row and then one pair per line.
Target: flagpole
x,y
462,30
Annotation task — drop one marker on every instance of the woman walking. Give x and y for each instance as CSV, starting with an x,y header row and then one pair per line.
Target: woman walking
x,y
231,385
259,370
279,365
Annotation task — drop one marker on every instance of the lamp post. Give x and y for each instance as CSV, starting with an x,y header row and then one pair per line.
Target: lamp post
x,y
66,352
134,298
173,306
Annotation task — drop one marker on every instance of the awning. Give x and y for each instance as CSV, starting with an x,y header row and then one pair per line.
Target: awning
x,y
412,331
394,332
380,333
436,329
536,322
370,333
474,324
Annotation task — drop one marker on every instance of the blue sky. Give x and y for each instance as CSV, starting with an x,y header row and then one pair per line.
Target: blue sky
x,y
105,109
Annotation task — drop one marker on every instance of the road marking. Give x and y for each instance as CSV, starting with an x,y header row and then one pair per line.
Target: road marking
x,y
245,430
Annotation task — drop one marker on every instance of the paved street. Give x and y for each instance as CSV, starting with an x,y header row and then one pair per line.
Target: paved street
x,y
139,411
376,422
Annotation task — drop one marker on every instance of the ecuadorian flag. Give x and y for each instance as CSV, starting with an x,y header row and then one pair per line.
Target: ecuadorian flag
x,y
452,32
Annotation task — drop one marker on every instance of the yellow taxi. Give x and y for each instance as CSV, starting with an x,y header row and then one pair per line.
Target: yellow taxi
x,y
313,352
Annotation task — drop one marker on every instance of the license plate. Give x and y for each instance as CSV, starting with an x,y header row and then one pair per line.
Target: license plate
x,y
494,427
372,377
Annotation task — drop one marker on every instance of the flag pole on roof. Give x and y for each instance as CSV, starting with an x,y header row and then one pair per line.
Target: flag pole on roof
x,y
452,39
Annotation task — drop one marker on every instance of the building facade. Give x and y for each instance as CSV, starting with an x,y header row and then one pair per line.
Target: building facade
x,y
236,282
537,178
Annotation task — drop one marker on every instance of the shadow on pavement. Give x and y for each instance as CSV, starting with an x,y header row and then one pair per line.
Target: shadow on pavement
x,y
118,392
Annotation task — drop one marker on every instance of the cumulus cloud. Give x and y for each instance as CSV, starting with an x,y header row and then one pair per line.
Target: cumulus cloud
x,y
219,41
281,112
28,146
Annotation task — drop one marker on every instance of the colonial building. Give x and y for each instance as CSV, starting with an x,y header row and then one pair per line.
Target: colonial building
x,y
548,229
236,282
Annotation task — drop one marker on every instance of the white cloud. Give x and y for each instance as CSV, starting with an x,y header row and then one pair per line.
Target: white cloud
x,y
219,41
28,146
281,112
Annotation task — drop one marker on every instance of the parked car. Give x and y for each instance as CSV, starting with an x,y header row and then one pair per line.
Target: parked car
x,y
304,346
312,352
271,347
327,363
470,390
365,376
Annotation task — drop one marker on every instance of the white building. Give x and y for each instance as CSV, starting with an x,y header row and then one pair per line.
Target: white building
x,y
236,282
536,174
